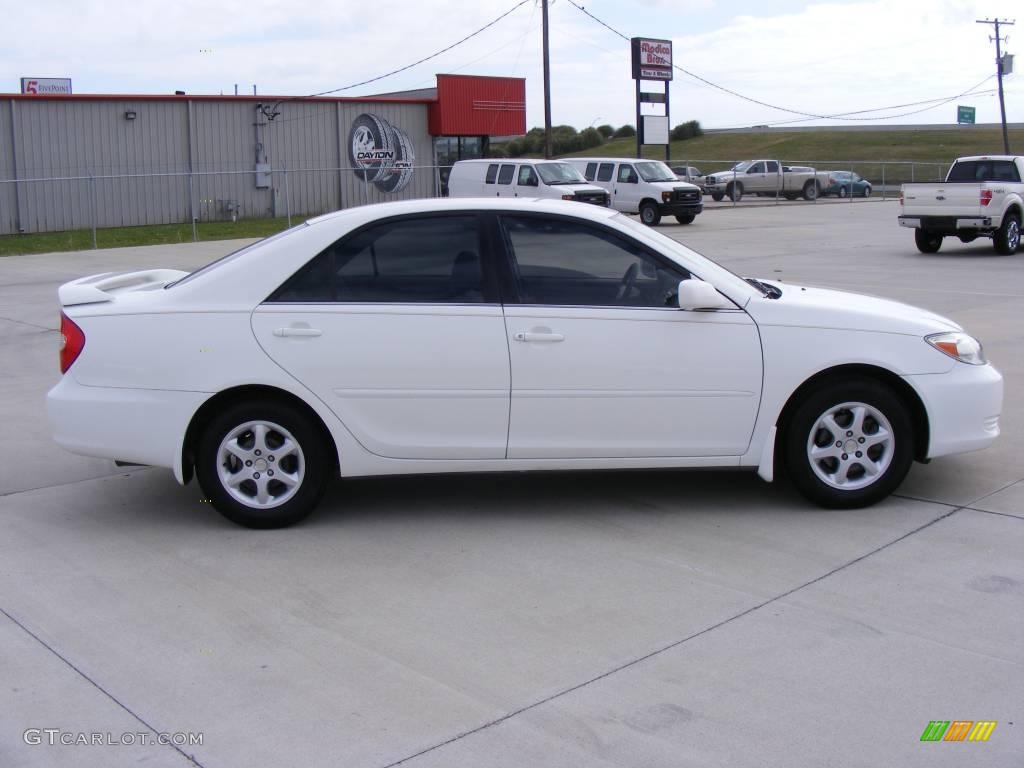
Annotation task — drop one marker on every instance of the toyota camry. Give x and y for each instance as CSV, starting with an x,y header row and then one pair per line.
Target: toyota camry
x,y
492,335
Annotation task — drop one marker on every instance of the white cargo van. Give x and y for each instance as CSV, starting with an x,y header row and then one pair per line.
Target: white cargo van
x,y
647,187
522,178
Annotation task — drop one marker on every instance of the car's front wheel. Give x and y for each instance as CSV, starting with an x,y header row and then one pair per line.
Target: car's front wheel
x,y
649,214
263,464
717,196
849,444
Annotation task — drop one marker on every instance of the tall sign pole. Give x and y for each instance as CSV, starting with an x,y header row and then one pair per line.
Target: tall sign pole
x,y
652,60
999,73
547,80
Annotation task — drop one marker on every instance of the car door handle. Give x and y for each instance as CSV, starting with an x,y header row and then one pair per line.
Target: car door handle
x,y
534,336
297,332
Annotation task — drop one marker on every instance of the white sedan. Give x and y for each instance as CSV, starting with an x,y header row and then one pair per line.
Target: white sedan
x,y
493,335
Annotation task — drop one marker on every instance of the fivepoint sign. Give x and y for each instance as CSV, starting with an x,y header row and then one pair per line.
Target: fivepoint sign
x,y
965,115
44,86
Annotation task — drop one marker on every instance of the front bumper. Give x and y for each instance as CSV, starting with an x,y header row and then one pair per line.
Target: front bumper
x,y
678,209
963,407
140,426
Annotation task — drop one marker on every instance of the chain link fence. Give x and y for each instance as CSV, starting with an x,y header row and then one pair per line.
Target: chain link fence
x,y
92,202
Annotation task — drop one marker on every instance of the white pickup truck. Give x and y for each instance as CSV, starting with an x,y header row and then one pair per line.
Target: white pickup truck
x,y
766,177
981,197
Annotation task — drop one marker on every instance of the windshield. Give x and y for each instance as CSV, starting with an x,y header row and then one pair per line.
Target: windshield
x,y
654,170
235,254
559,173
708,269
742,166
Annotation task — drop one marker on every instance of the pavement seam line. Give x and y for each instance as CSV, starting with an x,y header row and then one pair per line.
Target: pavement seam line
x,y
121,471
993,512
30,325
670,646
98,687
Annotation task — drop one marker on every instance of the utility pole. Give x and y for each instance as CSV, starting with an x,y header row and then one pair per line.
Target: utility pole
x,y
999,73
547,80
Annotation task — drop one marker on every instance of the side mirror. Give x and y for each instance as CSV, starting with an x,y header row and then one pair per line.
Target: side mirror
x,y
696,294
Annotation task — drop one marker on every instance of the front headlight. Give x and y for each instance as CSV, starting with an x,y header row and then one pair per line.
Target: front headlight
x,y
959,346
666,197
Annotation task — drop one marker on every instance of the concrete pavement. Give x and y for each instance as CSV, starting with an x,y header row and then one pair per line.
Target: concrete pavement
x,y
603,619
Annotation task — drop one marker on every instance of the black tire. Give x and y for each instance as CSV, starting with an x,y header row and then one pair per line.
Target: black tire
x,y
967,237
790,196
311,463
370,133
686,218
398,176
717,196
1006,240
895,456
810,190
867,190
842,192
927,242
649,214
734,191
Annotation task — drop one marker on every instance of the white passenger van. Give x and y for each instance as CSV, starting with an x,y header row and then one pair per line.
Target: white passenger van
x,y
647,187
551,179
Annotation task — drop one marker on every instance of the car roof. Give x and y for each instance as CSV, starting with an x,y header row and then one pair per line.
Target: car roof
x,y
447,204
614,159
988,157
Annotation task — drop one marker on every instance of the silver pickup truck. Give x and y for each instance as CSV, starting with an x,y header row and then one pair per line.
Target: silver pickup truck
x,y
981,197
766,177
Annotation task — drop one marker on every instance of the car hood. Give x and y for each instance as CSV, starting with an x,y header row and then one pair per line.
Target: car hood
x,y
812,307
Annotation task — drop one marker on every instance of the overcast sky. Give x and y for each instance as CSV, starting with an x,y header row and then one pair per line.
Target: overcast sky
x,y
823,58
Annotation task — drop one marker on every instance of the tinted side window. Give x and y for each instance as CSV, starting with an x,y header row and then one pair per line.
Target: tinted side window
x,y
626,174
773,166
492,172
567,263
604,173
506,173
756,168
527,176
422,260
590,172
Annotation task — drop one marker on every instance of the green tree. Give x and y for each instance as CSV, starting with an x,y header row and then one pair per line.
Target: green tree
x,y
624,131
688,130
606,131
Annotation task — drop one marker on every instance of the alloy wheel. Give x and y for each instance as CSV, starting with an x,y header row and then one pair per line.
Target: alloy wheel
x,y
850,446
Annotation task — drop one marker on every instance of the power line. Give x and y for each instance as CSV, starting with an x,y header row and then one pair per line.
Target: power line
x,y
806,115
271,113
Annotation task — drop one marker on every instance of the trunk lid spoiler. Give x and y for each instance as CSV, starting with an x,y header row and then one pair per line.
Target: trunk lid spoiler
x,y
107,285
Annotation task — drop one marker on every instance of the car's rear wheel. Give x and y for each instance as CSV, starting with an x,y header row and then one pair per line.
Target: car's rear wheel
x,y
927,242
649,214
1007,238
262,464
686,218
842,191
811,190
849,444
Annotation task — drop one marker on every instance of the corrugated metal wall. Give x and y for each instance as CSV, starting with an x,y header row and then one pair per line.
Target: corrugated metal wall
x,y
306,145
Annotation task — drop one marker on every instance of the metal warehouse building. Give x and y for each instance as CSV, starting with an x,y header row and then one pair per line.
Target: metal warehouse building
x,y
77,161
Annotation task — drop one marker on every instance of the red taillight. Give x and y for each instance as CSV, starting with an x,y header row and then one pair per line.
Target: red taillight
x,y
72,342
986,197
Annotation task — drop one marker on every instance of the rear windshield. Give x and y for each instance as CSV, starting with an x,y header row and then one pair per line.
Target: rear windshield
x,y
235,254
984,170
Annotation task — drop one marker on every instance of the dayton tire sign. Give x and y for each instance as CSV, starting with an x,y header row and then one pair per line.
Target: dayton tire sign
x,y
380,153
